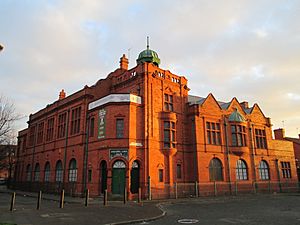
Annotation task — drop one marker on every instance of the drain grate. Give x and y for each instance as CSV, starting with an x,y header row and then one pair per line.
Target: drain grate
x,y
187,221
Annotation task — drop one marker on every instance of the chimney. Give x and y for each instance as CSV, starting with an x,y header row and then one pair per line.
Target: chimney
x,y
279,134
245,105
123,63
62,94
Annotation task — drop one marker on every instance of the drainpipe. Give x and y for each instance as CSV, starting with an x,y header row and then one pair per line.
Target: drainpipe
x,y
228,155
252,146
66,145
85,161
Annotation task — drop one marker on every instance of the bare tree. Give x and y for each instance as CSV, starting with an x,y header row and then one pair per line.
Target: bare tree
x,y
8,117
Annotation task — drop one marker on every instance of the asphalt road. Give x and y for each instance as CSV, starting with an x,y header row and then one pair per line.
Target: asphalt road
x,y
254,209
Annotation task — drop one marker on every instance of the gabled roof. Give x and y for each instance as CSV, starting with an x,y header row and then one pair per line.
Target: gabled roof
x,y
195,100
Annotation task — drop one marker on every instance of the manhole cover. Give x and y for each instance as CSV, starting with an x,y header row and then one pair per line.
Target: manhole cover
x,y
188,221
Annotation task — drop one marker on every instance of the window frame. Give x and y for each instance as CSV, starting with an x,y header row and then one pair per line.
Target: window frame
x,y
238,135
286,170
260,138
61,125
213,133
75,120
169,134
50,129
120,124
241,170
263,170
168,103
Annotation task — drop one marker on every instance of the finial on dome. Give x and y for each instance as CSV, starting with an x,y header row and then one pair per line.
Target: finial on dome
x,y
147,42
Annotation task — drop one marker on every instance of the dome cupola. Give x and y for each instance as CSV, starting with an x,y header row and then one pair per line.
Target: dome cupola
x,y
148,55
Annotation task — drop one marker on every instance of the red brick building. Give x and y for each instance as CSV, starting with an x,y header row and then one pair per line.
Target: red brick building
x,y
280,135
140,126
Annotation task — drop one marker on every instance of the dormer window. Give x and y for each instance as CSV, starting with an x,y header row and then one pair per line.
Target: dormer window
x,y
168,102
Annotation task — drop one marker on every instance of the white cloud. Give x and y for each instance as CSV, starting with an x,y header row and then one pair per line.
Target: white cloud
x,y
248,49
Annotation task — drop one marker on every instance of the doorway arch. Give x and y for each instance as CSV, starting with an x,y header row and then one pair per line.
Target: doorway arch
x,y
103,176
118,177
135,177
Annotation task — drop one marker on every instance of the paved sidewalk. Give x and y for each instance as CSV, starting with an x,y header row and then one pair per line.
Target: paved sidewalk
x,y
74,211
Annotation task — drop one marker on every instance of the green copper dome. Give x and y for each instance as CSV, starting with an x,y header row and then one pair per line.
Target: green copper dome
x,y
235,116
148,55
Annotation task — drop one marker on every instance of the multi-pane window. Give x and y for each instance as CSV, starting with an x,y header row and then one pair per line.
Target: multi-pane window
x,y
59,172
169,134
238,134
92,127
75,120
213,133
40,133
28,172
168,102
47,172
263,170
37,172
160,175
286,170
50,129
31,135
120,128
215,170
62,120
178,170
260,137
72,171
241,170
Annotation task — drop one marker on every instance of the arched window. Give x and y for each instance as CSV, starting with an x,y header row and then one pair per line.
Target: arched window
x,y
241,170
47,172
28,172
58,172
119,164
263,170
37,172
72,171
215,170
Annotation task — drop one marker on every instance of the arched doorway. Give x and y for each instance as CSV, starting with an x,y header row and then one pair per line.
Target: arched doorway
x,y
118,177
135,177
103,176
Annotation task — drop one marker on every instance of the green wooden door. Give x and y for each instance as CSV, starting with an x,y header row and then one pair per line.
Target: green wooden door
x,y
118,177
118,182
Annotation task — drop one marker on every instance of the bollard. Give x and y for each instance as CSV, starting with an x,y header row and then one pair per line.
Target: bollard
x,y
62,199
140,195
270,190
254,187
39,200
13,200
149,188
236,188
196,189
87,195
105,197
125,195
215,188
176,190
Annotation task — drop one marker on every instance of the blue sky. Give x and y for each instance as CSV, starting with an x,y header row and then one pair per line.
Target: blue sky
x,y
244,49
